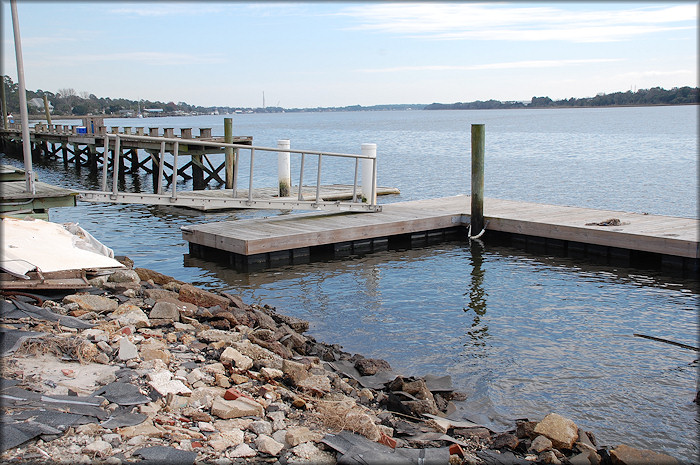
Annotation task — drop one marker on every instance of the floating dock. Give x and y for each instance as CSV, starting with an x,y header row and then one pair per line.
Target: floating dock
x,y
634,239
16,201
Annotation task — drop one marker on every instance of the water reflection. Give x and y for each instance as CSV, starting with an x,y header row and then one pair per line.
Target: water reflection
x,y
476,297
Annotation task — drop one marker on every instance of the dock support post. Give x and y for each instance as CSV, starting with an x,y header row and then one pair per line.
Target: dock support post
x,y
46,110
228,157
477,207
5,122
284,173
369,174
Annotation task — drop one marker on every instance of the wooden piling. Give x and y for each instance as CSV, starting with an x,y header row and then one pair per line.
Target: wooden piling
x,y
229,160
46,110
5,123
477,197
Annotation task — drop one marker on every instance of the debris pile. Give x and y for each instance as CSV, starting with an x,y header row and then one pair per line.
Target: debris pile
x,y
144,368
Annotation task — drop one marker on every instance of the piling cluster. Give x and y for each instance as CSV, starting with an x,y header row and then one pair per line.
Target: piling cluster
x,y
143,367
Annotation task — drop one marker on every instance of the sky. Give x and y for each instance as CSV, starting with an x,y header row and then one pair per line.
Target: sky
x,y
323,54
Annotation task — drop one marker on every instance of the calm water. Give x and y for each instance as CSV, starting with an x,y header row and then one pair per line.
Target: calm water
x,y
522,335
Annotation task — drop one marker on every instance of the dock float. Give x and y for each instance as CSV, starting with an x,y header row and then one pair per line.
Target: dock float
x,y
633,239
15,201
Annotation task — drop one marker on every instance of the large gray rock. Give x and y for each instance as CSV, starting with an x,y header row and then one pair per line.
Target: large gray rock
x,y
92,303
561,431
165,311
124,276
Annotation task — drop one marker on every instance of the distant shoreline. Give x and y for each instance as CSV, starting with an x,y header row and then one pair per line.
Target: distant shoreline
x,y
340,109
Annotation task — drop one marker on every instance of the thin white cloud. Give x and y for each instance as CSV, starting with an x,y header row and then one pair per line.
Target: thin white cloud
x,y
151,58
165,9
506,65
449,21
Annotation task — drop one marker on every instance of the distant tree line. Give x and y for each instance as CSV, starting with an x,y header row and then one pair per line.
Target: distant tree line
x,y
67,102
654,96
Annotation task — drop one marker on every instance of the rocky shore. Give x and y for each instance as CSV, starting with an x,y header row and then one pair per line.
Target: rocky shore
x,y
144,368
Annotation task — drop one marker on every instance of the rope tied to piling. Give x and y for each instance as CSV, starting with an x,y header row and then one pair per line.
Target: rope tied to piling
x,y
478,236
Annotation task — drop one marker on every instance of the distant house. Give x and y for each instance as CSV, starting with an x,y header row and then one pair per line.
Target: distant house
x,y
38,103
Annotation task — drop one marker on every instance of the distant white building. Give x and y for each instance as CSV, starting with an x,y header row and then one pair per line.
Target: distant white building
x,y
38,103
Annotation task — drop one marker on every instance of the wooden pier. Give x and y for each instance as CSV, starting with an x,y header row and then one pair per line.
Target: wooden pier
x,y
638,240
17,202
84,146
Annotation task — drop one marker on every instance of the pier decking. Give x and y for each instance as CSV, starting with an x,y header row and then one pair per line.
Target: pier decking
x,y
291,239
16,201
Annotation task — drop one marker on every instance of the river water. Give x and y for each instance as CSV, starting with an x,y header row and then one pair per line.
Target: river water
x,y
521,335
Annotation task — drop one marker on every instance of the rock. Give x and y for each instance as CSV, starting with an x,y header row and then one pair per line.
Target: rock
x,y
264,334
185,308
505,440
159,294
561,431
146,429
237,359
525,429
277,419
267,445
476,432
271,373
124,276
104,347
148,353
237,408
201,298
133,317
539,444
307,453
260,355
158,278
216,335
626,455
165,310
163,383
300,434
370,366
548,456
295,372
296,324
127,349
98,448
243,450
92,303
316,384
261,427
102,358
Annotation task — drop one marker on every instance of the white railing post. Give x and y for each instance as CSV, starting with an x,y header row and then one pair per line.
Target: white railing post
x,y
369,174
284,170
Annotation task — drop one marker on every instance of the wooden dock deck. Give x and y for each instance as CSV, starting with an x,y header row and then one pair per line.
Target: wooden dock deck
x,y
15,201
290,239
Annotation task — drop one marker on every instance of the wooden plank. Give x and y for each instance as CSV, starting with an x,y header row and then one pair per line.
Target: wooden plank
x,y
651,233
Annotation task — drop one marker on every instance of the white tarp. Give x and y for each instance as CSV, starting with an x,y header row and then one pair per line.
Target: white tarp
x,y
36,244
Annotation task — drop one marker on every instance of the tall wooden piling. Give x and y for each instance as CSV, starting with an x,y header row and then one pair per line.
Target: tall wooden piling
x,y
228,138
5,123
46,110
477,197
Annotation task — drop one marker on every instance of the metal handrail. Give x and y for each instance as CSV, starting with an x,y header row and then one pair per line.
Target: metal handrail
x,y
249,201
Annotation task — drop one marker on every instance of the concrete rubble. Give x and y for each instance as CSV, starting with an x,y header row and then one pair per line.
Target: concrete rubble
x,y
144,368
